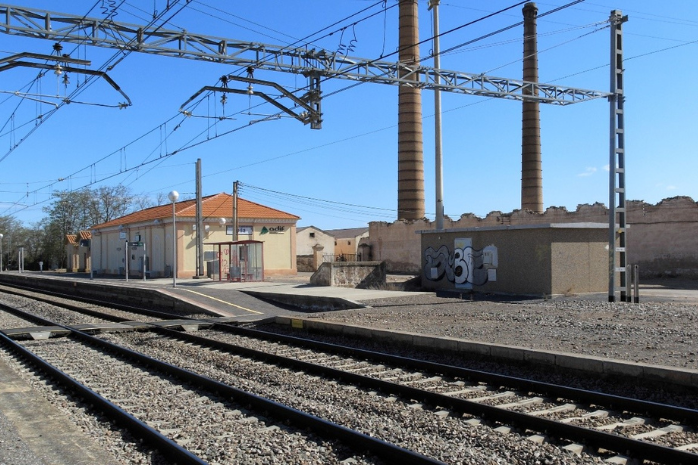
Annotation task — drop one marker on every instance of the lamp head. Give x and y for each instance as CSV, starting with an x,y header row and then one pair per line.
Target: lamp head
x,y
173,196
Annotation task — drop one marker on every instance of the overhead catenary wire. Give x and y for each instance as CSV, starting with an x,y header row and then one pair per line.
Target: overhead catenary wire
x,y
658,51
89,80
447,32
380,2
274,116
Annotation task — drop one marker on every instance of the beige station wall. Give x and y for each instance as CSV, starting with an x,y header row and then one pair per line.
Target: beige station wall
x,y
279,247
661,238
109,247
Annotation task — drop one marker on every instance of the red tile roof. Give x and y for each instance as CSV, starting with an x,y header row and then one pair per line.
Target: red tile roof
x,y
72,239
213,206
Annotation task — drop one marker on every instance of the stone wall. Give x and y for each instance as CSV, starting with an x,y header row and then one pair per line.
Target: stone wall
x,y
361,275
304,263
662,239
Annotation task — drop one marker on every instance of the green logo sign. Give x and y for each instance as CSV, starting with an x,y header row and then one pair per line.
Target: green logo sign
x,y
273,230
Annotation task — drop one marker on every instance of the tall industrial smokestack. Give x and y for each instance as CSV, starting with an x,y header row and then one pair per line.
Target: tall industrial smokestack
x,y
410,174
531,172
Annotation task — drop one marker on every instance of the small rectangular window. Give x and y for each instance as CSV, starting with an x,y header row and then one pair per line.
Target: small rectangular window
x,y
312,234
348,242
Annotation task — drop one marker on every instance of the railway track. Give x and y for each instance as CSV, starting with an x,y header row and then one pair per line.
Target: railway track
x,y
339,383
191,418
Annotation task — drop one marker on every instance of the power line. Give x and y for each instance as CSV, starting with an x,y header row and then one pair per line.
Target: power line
x,y
191,145
114,60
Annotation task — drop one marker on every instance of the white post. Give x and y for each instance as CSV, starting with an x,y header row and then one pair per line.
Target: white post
x,y
1,236
173,196
438,162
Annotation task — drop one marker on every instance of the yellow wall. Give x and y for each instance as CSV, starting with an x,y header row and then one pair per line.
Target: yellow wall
x,y
108,248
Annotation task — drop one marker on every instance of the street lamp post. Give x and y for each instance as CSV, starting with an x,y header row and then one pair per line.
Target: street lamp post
x,y
1,236
173,196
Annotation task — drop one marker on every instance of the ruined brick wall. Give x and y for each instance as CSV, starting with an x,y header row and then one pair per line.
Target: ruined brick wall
x,y
662,239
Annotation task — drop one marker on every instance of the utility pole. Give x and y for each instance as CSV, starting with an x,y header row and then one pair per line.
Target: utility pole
x,y
235,211
199,224
438,162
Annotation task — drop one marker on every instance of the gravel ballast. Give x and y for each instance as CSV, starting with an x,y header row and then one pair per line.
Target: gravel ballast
x,y
652,333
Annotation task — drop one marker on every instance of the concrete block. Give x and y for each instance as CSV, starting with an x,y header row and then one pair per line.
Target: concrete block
x,y
590,364
614,367
358,331
671,375
386,335
508,352
472,347
537,356
439,343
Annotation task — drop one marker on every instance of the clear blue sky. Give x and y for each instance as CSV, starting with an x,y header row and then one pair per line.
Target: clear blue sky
x,y
345,174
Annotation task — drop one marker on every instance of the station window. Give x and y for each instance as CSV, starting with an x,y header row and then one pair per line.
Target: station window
x,y
312,234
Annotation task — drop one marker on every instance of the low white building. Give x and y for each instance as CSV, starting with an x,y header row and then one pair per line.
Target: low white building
x,y
308,240
148,233
308,237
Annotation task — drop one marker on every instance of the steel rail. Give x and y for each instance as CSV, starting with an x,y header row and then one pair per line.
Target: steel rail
x,y
600,439
608,441
359,441
167,447
683,414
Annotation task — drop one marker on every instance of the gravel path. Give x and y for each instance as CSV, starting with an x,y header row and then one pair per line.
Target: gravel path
x,y
656,333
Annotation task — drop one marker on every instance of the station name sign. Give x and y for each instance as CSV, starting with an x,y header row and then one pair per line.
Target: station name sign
x,y
242,230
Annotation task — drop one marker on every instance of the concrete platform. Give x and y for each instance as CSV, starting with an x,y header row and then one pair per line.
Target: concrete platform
x,y
45,434
243,302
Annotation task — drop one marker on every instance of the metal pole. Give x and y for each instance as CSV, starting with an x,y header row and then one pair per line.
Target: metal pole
x,y
174,246
438,163
173,196
144,258
1,236
126,258
235,211
199,223
616,192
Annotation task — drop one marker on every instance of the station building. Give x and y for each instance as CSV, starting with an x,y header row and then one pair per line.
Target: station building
x,y
147,235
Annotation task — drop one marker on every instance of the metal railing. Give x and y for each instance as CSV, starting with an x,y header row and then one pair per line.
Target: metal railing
x,y
345,257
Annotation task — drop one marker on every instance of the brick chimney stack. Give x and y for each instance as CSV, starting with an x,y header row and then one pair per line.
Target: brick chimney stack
x,y
531,171
410,184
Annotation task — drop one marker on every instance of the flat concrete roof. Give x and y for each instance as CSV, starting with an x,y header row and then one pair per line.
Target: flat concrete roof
x,y
517,226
